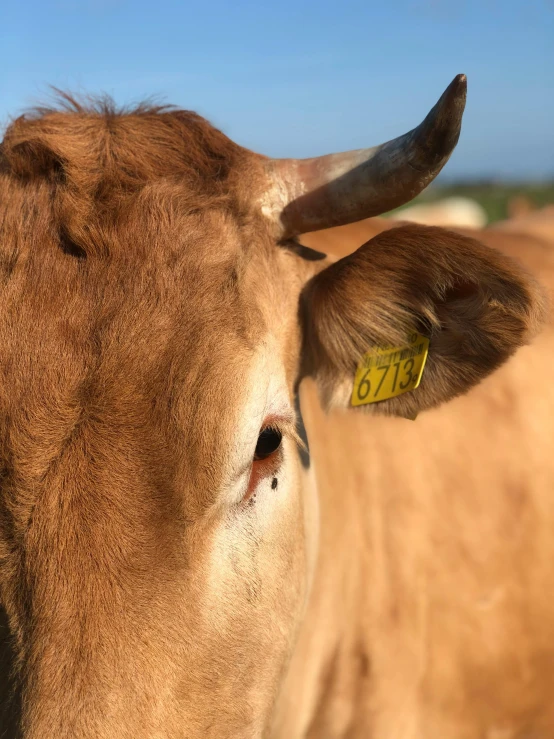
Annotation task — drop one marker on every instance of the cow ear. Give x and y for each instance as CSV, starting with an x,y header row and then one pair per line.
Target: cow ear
x,y
406,290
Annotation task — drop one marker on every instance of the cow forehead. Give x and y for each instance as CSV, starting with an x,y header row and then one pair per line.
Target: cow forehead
x,y
143,350
142,293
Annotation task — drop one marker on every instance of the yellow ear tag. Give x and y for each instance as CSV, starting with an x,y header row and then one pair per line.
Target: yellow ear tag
x,y
386,372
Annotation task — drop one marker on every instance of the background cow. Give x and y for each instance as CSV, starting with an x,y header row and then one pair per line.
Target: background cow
x,y
432,615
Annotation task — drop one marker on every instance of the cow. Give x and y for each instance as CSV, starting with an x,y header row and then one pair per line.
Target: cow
x,y
440,548
162,538
519,206
537,224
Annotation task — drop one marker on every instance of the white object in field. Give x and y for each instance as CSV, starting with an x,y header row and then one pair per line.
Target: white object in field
x,y
455,211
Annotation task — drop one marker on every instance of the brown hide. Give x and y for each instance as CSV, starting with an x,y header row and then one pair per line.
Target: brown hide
x,y
432,615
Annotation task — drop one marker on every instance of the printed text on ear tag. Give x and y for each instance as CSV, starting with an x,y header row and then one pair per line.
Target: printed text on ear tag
x,y
387,372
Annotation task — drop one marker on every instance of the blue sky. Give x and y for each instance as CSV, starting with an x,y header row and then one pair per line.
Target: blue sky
x,y
302,78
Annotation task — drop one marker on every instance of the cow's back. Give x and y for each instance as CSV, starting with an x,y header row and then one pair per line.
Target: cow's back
x,y
432,614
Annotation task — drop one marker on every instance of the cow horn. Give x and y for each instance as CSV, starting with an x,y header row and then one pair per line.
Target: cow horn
x,y
311,194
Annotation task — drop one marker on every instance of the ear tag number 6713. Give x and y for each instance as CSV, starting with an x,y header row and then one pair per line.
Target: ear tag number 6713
x,y
386,373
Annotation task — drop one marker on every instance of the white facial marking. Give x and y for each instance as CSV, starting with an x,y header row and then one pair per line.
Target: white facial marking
x,y
237,542
265,395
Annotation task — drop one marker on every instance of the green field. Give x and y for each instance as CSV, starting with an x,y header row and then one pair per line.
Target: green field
x,y
494,197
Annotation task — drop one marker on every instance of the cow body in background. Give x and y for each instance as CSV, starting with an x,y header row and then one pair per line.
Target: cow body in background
x,y
432,617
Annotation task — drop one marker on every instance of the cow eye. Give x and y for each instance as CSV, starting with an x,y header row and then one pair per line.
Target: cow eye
x,y
269,441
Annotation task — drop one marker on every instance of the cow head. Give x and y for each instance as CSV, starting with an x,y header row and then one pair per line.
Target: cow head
x,y
156,534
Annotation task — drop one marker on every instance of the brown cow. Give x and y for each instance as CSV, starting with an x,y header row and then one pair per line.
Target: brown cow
x,y
158,535
431,616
